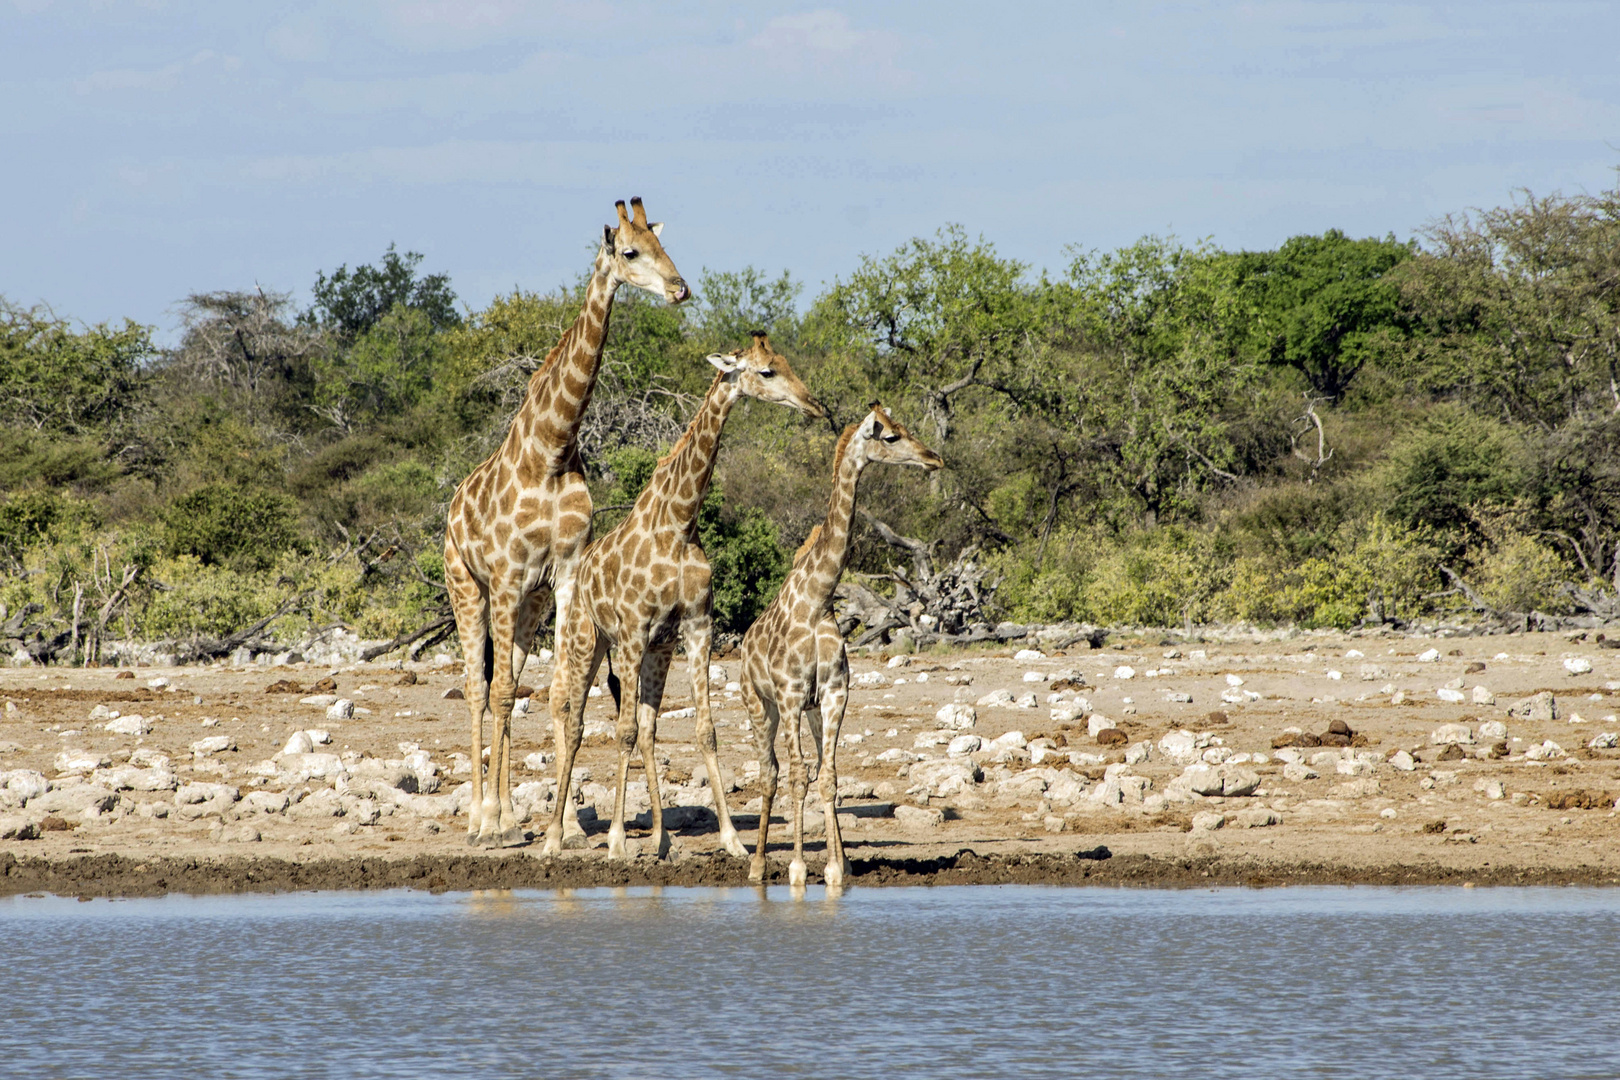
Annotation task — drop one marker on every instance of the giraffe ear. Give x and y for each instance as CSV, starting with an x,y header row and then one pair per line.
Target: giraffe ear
x,y
657,228
608,234
726,364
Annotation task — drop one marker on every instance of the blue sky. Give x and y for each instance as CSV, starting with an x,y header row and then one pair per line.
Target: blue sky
x,y
154,149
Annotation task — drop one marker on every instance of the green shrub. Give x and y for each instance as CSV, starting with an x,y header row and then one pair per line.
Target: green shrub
x,y
220,524
1520,573
1454,462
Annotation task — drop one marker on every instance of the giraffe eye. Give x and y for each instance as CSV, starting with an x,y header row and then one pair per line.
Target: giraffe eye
x,y
767,373
891,438
630,254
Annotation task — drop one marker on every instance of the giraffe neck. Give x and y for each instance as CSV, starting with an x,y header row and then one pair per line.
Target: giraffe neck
x,y
550,418
823,562
675,493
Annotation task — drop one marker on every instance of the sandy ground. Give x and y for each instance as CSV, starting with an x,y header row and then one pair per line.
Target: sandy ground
x,y
1469,818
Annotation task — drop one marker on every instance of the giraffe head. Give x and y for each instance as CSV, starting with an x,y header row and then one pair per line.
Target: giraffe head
x,y
759,371
881,438
631,253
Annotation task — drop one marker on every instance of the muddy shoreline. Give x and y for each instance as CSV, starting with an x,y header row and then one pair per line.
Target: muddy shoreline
x,y
113,875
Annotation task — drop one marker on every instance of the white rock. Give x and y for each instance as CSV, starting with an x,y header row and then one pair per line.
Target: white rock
x,y
942,779
1576,718
1483,696
25,784
79,761
265,802
925,740
963,745
341,709
18,827
1034,676
1180,746
199,792
899,661
679,714
919,817
1179,696
1124,671
1297,773
1233,697
1452,733
1606,740
956,716
298,742
1026,701
995,698
1354,654
1447,694
319,736
538,761
134,724
1578,665
320,701
1138,753
213,744
158,683
1012,740
1428,656
1257,817
895,754
301,767
1335,675
1207,821
1025,655
1542,707
1403,761
1545,752
1493,729
75,799
735,687
1234,680
1097,722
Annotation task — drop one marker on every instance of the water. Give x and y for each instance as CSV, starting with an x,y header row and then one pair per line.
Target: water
x,y
972,981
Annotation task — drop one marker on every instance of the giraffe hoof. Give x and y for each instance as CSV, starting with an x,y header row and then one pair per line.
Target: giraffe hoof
x,y
574,841
796,874
735,847
513,837
756,870
472,839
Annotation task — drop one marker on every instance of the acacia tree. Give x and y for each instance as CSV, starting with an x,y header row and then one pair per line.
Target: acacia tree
x,y
244,342
56,378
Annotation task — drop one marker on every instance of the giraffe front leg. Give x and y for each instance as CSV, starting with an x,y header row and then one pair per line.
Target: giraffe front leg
x,y
654,671
631,653
578,654
793,711
470,605
834,698
765,716
699,636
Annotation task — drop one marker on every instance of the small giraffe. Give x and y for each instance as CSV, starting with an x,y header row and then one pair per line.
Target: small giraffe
x,y
794,663
646,582
520,521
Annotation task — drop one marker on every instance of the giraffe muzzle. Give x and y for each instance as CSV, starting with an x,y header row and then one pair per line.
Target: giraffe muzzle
x,y
678,291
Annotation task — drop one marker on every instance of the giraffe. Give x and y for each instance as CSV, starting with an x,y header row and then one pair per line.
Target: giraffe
x,y
646,582
794,662
519,522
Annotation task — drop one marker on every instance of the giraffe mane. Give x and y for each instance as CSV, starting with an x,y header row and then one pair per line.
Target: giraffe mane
x,y
804,548
686,433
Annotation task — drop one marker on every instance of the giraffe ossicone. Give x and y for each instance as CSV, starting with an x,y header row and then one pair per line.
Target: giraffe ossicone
x,y
795,667
644,586
519,522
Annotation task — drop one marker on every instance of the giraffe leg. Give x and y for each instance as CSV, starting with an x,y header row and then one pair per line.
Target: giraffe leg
x,y
471,606
631,654
698,645
526,619
654,671
765,716
834,679
793,712
579,652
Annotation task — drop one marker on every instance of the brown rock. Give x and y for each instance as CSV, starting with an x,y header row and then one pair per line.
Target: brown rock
x,y
1216,718
1339,727
454,694
1500,750
1068,684
1333,739
1111,737
1358,739
1060,739
52,823
1303,738
1475,668
1434,828
283,686
523,691
124,675
408,679
1452,752
325,686
1580,799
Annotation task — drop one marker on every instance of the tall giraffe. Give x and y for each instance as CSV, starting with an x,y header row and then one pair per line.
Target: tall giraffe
x,y
794,663
520,521
647,581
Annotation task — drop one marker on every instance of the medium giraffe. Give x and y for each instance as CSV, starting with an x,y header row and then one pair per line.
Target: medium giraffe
x,y
646,582
520,521
794,664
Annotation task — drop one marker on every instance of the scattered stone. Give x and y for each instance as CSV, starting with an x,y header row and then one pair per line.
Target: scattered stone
x,y
75,799
17,827
241,833
1578,665
1124,671
1138,753
1452,752
1180,746
869,678
1403,761
286,686
1023,655
1483,696
133,724
1257,817
1034,676
213,744
1207,821
24,784
1052,823
341,709
919,817
1298,773
1492,729
453,694
1580,799
1295,738
1452,733
963,745
1542,707
958,716
1398,698
1097,722
1428,656
80,761
1545,752
1607,740
1112,737
1445,693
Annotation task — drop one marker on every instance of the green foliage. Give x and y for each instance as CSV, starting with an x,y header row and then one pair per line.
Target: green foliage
x,y
225,525
57,379
730,305
352,302
1520,573
746,558
1453,464
384,373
